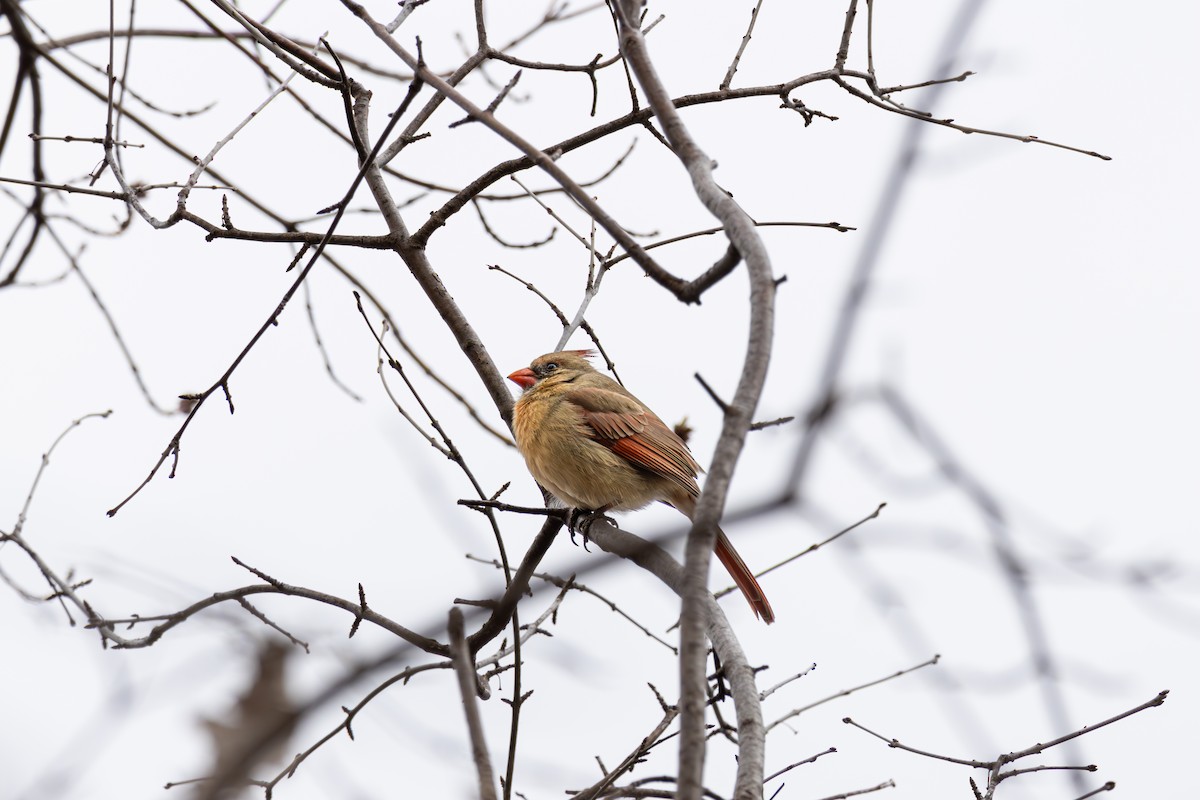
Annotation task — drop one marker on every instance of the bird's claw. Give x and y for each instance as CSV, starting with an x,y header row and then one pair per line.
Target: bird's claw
x,y
574,520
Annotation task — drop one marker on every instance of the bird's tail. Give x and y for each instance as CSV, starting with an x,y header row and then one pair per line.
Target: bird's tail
x,y
737,568
744,578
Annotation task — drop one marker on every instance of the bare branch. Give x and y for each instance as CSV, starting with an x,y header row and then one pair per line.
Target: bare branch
x,y
468,687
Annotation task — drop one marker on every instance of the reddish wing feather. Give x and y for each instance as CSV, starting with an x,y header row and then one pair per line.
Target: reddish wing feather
x,y
634,433
636,450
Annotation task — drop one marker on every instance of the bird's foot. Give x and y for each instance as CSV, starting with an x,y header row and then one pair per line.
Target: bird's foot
x,y
580,521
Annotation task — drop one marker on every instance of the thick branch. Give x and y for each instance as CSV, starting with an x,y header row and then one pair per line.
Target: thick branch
x,y
739,228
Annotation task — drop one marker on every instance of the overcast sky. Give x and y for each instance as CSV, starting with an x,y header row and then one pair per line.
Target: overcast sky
x,y
1036,306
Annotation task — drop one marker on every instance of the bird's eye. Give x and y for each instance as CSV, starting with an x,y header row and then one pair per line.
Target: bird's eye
x,y
550,367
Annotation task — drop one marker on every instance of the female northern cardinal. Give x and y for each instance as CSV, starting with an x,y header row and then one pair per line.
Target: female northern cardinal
x,y
596,447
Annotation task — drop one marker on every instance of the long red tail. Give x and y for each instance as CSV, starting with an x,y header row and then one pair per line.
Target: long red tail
x,y
744,578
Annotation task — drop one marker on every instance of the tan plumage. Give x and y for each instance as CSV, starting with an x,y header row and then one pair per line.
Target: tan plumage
x,y
596,447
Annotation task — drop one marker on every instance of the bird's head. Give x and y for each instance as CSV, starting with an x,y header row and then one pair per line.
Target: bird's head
x,y
552,368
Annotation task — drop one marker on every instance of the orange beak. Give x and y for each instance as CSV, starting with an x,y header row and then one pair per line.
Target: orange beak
x,y
523,377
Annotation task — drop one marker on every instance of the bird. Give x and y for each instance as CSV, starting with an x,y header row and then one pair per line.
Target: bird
x,y
597,448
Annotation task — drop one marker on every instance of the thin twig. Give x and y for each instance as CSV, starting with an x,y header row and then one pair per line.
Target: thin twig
x,y
847,692
888,784
800,763
741,48
811,548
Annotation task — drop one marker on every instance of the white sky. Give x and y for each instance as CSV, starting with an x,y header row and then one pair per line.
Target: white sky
x,y
1039,307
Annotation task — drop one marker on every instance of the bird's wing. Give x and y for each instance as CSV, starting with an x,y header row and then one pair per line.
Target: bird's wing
x,y
627,428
